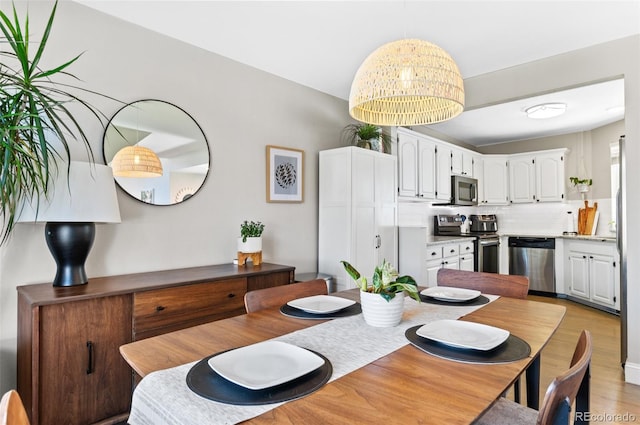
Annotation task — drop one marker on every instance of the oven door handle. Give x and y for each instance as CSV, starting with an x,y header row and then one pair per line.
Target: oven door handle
x,y
488,242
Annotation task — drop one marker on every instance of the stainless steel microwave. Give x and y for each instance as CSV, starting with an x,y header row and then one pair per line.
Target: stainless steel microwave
x,y
464,190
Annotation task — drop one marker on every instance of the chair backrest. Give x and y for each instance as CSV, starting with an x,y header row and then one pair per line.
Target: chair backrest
x,y
279,295
506,285
12,410
562,392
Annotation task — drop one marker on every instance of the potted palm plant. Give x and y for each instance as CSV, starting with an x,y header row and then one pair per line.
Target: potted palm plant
x,y
366,136
380,305
250,239
36,123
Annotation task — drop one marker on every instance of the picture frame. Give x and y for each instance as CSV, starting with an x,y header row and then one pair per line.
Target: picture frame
x,y
147,195
285,174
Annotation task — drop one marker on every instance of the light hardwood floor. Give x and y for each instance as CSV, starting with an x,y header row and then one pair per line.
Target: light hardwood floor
x,y
610,395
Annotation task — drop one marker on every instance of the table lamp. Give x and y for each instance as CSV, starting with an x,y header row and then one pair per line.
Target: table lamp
x,y
70,211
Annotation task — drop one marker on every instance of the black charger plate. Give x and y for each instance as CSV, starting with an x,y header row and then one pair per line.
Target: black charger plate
x,y
205,382
352,310
513,349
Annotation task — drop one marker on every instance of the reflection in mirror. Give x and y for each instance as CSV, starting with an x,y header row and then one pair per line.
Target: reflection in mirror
x,y
174,136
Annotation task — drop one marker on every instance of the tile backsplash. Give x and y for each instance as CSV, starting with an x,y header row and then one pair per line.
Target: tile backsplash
x,y
527,219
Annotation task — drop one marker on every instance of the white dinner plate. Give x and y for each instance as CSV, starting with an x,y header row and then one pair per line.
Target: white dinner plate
x,y
321,304
462,334
265,364
446,293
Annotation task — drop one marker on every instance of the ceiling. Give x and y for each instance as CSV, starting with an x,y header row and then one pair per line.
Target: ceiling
x,y
321,45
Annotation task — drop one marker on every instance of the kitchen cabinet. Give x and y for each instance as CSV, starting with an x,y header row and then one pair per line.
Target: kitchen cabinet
x,y
592,272
537,176
424,167
495,181
69,368
422,259
357,212
417,173
463,162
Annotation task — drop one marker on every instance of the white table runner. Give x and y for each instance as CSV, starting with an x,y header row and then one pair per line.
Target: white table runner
x,y
163,397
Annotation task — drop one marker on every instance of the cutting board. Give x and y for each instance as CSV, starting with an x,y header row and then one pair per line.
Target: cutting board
x,y
587,218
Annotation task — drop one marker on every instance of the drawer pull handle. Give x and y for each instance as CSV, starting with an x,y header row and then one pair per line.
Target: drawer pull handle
x,y
90,361
433,253
231,295
160,308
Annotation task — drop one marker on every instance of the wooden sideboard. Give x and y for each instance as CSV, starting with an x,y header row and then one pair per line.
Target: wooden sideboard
x,y
69,368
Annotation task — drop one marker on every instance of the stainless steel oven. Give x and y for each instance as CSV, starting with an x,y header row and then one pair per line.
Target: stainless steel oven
x,y
488,253
487,246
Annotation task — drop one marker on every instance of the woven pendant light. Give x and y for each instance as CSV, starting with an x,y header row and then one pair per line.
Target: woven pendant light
x,y
136,161
407,82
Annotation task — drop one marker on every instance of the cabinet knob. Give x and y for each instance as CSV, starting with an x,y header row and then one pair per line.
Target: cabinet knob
x,y
231,295
160,308
452,251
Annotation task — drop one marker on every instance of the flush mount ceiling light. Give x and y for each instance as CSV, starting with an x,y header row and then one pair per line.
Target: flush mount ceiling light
x,y
546,110
136,161
407,82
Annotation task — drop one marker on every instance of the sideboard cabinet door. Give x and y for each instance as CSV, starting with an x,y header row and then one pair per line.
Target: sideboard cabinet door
x,y
82,376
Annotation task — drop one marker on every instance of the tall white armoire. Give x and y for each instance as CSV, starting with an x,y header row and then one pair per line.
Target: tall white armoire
x,y
357,212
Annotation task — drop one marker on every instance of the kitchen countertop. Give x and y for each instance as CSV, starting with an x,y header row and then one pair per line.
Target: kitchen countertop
x,y
437,240
601,238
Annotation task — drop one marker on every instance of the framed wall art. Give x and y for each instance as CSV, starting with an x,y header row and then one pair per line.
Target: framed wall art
x,y
285,174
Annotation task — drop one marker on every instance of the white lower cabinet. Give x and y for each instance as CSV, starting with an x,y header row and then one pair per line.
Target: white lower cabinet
x,y
592,272
422,260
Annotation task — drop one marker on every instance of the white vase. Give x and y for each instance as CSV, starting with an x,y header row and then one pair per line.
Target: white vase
x,y
379,312
251,245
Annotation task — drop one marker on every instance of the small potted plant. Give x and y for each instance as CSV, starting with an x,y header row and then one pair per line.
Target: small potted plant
x,y
380,305
366,136
250,239
581,184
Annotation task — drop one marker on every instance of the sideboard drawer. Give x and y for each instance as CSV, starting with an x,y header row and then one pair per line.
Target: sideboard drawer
x,y
169,309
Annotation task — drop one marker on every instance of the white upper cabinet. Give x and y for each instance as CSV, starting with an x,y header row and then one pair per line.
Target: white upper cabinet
x,y
462,162
550,175
426,164
495,180
443,172
522,179
417,165
537,176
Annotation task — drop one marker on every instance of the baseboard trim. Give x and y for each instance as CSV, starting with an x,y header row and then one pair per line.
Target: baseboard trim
x,y
632,373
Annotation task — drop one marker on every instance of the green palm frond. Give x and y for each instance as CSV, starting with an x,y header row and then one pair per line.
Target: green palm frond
x,y
36,125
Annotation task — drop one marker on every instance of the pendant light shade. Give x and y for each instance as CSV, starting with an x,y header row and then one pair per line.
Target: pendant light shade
x,y
407,82
136,161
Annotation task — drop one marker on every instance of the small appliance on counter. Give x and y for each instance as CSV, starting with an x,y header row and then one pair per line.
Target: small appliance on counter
x,y
447,225
486,223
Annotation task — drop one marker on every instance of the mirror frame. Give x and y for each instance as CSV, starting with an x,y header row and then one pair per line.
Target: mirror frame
x,y
188,116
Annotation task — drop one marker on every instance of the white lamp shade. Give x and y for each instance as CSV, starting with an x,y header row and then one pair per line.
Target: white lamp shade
x,y
88,195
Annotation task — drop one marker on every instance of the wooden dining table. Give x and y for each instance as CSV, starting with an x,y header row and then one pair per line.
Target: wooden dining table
x,y
403,387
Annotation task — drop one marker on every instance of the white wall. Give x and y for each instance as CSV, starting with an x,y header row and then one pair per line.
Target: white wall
x,y
240,109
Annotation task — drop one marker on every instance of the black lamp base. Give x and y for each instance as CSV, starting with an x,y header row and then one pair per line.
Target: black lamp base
x,y
70,244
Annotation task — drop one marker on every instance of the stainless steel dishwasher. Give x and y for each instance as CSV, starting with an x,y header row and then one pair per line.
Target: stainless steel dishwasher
x,y
534,258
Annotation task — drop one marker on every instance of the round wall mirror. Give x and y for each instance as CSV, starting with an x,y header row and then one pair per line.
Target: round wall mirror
x,y
167,133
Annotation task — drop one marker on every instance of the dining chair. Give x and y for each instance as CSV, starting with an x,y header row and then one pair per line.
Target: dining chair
x,y
505,285
569,387
279,295
12,410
